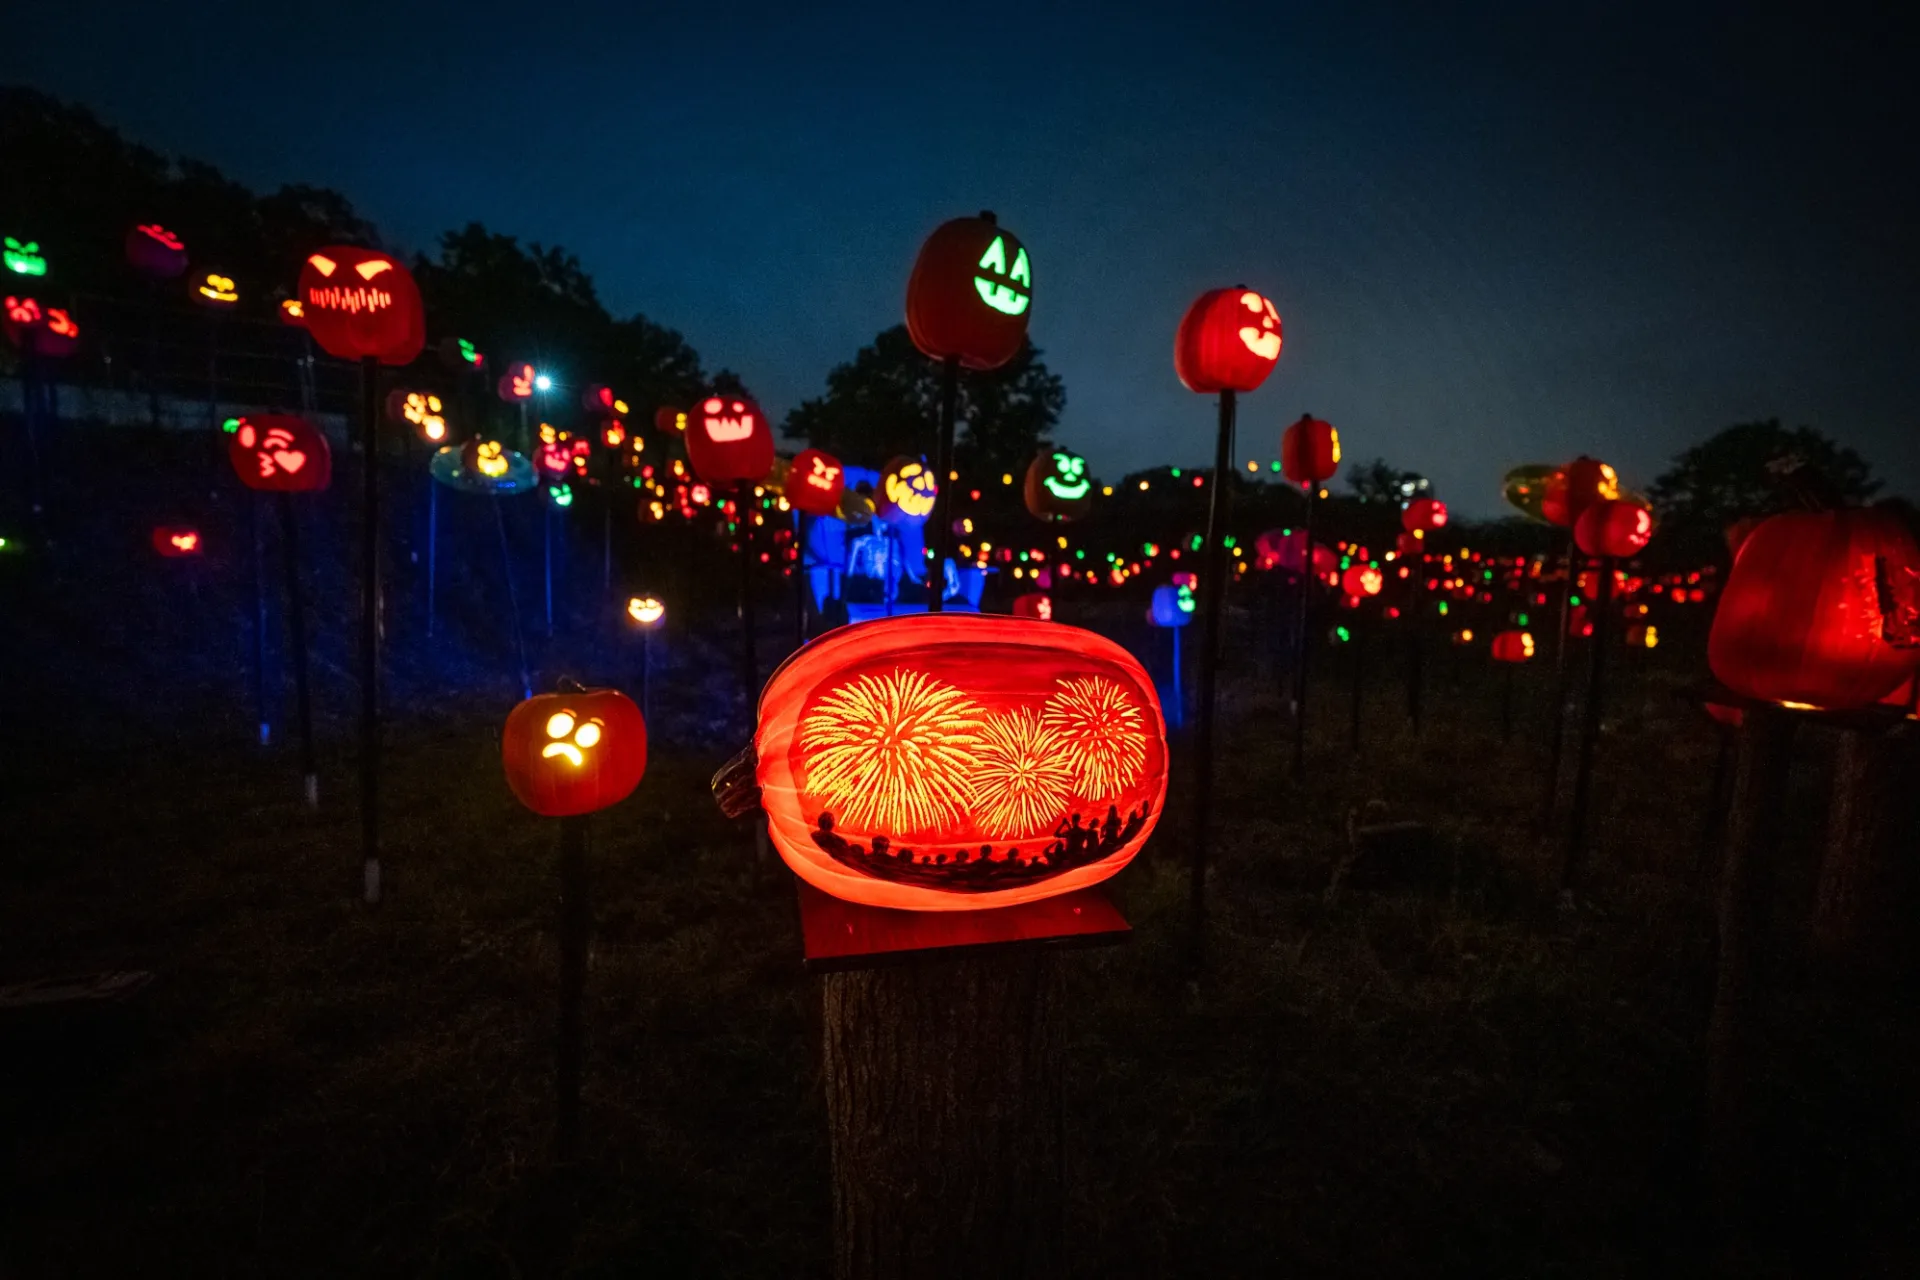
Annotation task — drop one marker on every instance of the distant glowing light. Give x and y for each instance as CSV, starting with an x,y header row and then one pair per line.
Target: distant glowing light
x,y
541,382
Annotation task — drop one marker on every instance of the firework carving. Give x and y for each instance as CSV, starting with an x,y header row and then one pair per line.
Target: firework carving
x,y
952,762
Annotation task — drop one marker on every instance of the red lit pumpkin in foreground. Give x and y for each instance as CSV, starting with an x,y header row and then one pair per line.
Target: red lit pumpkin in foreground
x,y
1310,451
1229,340
280,453
359,303
942,762
573,753
728,438
1821,608
971,293
1616,527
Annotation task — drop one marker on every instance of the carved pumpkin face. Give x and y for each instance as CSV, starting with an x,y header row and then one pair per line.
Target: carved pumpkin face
x,y
1229,340
1058,486
292,313
157,252
729,438
1513,646
176,541
360,303
483,466
1362,581
1424,515
970,293
943,763
815,482
1614,527
574,753
1172,606
280,453
1577,486
23,259
37,330
215,290
486,458
421,410
516,384
1034,604
907,491
646,610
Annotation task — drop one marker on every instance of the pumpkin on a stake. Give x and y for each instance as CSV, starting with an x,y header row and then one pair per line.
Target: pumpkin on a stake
x,y
1058,486
1822,609
1424,515
280,453
574,753
156,252
815,482
1310,451
729,439
943,763
971,293
1229,340
360,304
1583,482
1616,527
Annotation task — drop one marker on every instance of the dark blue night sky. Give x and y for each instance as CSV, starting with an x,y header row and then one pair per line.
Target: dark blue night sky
x,y
1494,239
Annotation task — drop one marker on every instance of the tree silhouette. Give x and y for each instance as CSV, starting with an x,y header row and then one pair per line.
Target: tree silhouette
x,y
886,402
1728,476
1377,482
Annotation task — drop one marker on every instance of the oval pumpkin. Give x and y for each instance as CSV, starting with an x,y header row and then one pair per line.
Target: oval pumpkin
x,y
952,762
1310,451
971,292
1229,340
1058,486
574,753
362,304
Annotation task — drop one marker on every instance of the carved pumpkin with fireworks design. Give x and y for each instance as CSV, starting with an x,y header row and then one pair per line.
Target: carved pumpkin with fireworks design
x,y
949,763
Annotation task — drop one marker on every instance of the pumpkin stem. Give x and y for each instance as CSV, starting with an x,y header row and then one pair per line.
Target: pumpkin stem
x,y
567,684
735,788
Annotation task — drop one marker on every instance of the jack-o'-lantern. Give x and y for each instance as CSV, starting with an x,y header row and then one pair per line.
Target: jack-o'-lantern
x,y
1513,646
422,410
1362,581
1424,515
361,303
1573,489
1821,608
956,762
485,467
1283,549
1172,605
216,291
280,453
516,384
971,293
729,438
1642,635
23,257
599,400
907,491
574,753
459,354
1525,488
646,610
1310,451
156,252
37,330
1613,527
1034,604
1058,486
815,482
175,541
292,313
1229,340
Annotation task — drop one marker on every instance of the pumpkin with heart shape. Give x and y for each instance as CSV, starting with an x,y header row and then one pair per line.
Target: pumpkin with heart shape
x,y
971,293
1058,486
1229,340
156,252
942,762
729,439
362,304
572,753
815,482
280,453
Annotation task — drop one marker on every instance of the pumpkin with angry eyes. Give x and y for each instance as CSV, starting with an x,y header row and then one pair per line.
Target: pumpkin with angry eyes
x,y
360,304
971,293
729,438
1229,340
815,482
1058,486
572,753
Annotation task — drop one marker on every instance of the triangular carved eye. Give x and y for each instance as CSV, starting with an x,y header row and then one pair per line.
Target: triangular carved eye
x,y
324,265
368,270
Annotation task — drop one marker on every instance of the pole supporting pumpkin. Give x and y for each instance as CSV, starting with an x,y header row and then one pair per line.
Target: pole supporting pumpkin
x,y
1589,729
297,627
1301,648
576,928
370,627
943,495
1213,593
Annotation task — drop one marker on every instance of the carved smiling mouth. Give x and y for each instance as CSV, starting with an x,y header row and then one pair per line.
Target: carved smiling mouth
x,y
1001,298
1071,492
566,749
727,430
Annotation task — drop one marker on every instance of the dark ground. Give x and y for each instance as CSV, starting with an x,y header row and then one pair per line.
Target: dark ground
x,y
1436,1074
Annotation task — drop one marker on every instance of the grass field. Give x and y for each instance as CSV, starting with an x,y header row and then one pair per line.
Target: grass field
x,y
1438,1074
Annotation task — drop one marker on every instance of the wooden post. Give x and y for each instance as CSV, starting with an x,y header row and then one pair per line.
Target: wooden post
x,y
1762,762
576,930
1416,648
433,548
1865,895
1359,682
944,1096
513,601
297,628
370,627
1302,645
799,580
943,493
1213,587
1557,718
749,658
1575,859
262,721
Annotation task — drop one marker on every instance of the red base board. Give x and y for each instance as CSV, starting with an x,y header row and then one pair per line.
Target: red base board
x,y
846,935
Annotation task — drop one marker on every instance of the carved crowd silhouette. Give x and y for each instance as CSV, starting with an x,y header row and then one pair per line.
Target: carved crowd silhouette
x,y
1076,843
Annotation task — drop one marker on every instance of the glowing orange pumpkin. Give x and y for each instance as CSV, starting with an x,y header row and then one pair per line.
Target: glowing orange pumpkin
x,y
815,482
1310,451
950,762
1617,527
1513,646
359,303
1229,340
970,293
1571,491
729,438
573,753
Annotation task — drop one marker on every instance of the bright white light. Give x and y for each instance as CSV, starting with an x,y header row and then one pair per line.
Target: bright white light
x,y
542,382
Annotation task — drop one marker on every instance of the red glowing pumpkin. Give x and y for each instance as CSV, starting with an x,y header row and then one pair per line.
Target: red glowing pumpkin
x,y
1034,604
280,453
1614,527
360,303
176,541
1821,609
1229,340
971,293
1513,646
728,438
1361,581
515,386
815,482
573,753
1310,451
949,762
38,330
1583,482
1424,515
156,252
